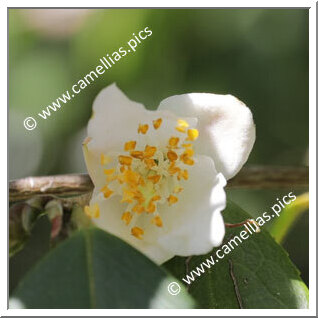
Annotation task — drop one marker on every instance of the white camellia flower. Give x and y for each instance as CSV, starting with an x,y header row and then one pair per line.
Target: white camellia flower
x,y
159,176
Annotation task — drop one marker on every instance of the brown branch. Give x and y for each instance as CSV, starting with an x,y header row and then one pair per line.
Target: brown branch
x,y
59,185
270,177
255,177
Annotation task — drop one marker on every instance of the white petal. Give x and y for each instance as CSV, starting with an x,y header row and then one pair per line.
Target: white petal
x,y
115,120
94,168
226,127
194,225
110,221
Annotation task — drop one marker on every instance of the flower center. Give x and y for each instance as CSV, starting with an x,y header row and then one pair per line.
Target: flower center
x,y
147,176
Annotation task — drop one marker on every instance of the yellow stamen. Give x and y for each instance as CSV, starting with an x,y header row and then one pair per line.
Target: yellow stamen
x,y
141,181
128,195
140,199
150,163
151,208
172,156
154,179
109,172
130,177
183,174
130,145
173,169
149,151
120,178
125,160
126,217
92,211
138,209
157,221
137,154
157,123
172,199
156,198
122,169
106,191
143,174
177,189
111,178
193,134
186,160
143,129
104,160
189,152
182,125
137,232
173,142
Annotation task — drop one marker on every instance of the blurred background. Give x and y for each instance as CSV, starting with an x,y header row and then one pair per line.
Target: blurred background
x,y
258,55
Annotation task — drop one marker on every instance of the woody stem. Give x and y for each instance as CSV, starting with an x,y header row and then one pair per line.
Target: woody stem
x,y
253,177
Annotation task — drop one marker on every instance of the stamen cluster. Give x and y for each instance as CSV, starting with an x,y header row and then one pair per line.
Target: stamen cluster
x,y
145,177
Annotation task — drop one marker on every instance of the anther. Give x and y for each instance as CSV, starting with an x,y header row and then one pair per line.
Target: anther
x,y
172,156
138,209
137,154
193,134
151,208
137,232
154,179
109,172
182,125
157,221
125,160
143,129
149,151
106,191
126,217
92,211
130,145
157,123
150,163
173,142
172,199
186,159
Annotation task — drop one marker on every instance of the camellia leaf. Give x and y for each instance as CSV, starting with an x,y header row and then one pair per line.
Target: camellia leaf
x,y
93,269
256,273
35,247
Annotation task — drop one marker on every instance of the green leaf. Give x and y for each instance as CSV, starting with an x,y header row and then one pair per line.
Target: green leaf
x,y
34,248
255,274
93,269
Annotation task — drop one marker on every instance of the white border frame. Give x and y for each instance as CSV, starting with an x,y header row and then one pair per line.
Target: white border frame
x,y
312,160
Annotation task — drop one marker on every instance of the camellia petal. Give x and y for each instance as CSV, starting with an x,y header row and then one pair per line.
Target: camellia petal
x,y
225,124
195,225
110,220
157,175
114,120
